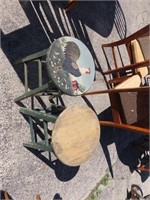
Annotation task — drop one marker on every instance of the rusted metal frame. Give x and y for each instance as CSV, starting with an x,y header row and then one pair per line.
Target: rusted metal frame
x,y
35,91
31,57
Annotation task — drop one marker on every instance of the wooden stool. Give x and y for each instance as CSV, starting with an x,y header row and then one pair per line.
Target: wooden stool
x,y
75,135
70,69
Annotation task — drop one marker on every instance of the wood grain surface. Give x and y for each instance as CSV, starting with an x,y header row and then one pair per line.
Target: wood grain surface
x,y
76,135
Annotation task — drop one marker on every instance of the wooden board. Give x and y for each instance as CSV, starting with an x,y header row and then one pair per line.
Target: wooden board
x,y
76,135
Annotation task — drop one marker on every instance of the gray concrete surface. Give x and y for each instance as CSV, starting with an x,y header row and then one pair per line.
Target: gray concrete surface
x,y
28,27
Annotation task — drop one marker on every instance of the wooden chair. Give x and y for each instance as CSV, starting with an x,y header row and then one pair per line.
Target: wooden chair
x,y
137,46
129,98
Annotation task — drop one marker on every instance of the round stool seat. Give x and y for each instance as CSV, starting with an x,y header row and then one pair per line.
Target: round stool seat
x,y
76,135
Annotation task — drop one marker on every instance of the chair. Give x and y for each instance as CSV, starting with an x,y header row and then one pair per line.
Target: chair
x,y
129,96
137,46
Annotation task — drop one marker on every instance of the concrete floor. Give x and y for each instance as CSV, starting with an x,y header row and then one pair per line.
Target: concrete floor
x,y
28,27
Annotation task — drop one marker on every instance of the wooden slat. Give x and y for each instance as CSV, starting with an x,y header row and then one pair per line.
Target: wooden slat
x,y
129,67
119,79
136,89
126,127
131,37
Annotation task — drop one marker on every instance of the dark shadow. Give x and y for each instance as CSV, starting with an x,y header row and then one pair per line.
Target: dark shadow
x,y
57,197
63,172
47,24
27,40
127,153
88,103
100,21
124,142
97,15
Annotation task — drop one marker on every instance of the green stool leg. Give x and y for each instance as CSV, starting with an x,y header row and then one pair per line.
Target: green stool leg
x,y
43,145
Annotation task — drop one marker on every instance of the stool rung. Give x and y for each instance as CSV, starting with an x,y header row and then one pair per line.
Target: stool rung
x,y
38,146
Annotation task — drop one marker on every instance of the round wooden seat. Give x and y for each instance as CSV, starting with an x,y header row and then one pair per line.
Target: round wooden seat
x,y
76,135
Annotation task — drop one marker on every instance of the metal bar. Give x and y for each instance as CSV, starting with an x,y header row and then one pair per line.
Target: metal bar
x,y
46,133
31,57
38,146
40,115
40,72
33,139
26,77
34,91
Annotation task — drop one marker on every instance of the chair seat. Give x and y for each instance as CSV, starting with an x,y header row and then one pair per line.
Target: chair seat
x,y
76,135
131,82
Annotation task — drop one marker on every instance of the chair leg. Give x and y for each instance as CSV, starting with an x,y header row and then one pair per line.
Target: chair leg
x,y
71,4
38,197
6,197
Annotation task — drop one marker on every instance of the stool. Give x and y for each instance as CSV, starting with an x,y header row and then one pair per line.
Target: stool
x,y
75,135
69,65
